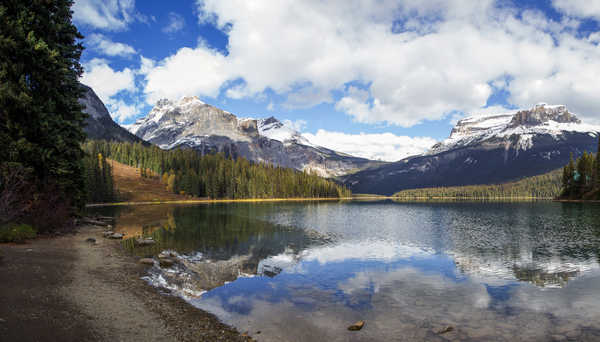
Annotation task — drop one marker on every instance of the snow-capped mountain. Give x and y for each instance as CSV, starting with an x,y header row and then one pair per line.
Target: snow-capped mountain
x,y
191,123
277,130
488,149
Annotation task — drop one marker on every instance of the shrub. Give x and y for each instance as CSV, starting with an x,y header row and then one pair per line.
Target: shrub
x,y
16,233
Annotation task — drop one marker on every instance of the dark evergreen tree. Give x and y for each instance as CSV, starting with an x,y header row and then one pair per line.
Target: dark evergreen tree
x,y
40,118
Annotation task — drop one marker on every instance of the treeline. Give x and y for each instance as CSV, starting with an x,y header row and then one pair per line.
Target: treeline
x,y
41,120
215,176
547,185
581,177
99,182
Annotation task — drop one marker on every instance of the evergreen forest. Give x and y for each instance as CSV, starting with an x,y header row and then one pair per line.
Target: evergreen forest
x,y
543,186
186,172
581,177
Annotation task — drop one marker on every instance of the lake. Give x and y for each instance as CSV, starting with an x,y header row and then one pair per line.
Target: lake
x,y
305,271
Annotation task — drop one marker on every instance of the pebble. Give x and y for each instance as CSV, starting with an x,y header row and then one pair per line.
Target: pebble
x,y
356,326
444,330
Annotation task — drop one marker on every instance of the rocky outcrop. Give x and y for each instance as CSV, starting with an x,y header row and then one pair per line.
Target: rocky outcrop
x,y
99,125
541,114
487,150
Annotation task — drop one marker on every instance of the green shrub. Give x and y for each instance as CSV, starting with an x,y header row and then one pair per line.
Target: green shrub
x,y
16,232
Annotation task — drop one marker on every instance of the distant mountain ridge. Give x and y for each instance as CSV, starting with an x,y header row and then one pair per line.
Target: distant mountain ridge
x,y
191,123
487,149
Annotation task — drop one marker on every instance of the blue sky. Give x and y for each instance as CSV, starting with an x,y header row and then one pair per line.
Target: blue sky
x,y
380,79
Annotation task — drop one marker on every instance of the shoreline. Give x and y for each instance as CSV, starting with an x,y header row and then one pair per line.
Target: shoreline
x,y
200,201
67,289
357,198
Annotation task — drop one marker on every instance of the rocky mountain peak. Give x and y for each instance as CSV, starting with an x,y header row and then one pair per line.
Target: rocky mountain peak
x,y
270,120
542,113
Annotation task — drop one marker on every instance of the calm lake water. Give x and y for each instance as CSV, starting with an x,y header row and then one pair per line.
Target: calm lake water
x,y
305,271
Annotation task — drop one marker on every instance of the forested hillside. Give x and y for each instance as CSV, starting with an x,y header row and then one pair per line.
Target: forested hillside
x,y
547,185
215,176
581,177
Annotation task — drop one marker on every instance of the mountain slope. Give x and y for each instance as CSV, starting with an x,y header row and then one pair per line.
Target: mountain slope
x,y
99,124
190,123
487,150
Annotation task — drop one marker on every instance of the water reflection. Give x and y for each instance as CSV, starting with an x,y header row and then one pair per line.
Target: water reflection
x,y
304,271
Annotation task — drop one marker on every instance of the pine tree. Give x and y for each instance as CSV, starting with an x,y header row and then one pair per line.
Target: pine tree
x,y
40,118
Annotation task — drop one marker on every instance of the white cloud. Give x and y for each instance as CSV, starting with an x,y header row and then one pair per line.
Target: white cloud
x,y
415,61
176,23
106,46
378,146
122,111
307,97
189,71
111,15
297,125
107,83
579,8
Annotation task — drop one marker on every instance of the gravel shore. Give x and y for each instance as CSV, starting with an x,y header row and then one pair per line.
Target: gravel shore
x,y
67,289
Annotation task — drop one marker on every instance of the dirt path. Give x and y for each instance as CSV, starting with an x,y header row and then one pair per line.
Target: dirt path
x,y
66,289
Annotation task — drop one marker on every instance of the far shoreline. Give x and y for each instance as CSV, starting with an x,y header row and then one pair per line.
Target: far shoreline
x,y
353,198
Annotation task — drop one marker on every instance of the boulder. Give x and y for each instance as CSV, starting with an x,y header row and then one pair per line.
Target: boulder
x,y
108,233
147,261
90,240
356,326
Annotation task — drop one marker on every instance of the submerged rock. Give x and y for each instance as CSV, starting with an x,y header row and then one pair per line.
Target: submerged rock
x,y
146,261
116,236
90,240
144,242
167,254
356,326
166,262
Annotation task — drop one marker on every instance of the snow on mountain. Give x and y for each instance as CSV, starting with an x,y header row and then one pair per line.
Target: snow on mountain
x,y
489,149
191,123
277,130
552,120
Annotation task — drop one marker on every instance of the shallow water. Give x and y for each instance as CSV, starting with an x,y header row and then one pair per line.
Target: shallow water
x,y
305,271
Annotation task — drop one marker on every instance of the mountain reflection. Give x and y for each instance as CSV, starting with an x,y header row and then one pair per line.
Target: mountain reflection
x,y
546,244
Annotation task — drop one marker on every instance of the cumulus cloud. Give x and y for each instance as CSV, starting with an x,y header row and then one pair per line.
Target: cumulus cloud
x,y
413,61
176,23
377,146
103,44
107,83
122,111
190,71
579,8
297,125
111,15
